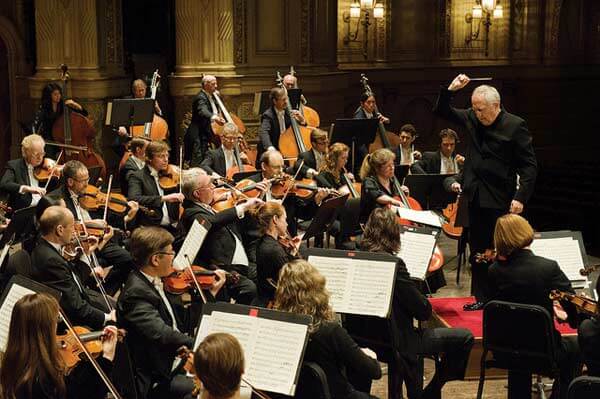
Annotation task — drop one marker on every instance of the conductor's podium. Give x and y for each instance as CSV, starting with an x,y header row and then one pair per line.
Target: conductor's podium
x,y
448,312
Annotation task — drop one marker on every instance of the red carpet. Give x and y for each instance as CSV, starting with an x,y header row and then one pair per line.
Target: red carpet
x,y
451,311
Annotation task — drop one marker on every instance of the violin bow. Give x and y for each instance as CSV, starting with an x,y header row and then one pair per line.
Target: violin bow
x,y
292,185
53,169
189,268
89,356
107,198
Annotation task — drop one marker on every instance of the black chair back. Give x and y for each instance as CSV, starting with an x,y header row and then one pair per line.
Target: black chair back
x,y
585,387
312,383
19,262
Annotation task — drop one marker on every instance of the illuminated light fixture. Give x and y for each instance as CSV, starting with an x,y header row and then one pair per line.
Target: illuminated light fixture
x,y
378,11
355,10
362,12
482,13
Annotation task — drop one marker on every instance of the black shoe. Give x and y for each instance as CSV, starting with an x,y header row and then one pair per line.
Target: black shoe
x,y
473,306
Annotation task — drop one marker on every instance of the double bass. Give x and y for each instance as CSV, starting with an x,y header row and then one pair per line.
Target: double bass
x,y
158,129
296,139
310,115
72,128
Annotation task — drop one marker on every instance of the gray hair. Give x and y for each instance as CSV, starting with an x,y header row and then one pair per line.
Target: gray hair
x,y
230,129
207,78
489,94
191,181
29,141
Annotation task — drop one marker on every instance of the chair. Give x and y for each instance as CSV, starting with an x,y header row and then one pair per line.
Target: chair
x,y
585,387
528,349
312,383
19,262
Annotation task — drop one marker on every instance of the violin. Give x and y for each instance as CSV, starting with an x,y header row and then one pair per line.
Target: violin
x,y
582,303
179,282
47,170
587,270
93,199
70,351
488,256
169,179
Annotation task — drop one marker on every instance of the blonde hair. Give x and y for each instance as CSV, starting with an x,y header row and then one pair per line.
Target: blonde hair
x,y
317,134
301,289
330,165
156,147
512,232
29,141
374,161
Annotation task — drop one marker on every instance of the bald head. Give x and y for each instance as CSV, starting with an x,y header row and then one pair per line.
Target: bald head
x,y
290,81
209,83
54,219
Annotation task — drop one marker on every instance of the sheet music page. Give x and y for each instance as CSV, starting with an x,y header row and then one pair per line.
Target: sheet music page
x,y
429,218
416,250
16,292
191,245
565,251
336,271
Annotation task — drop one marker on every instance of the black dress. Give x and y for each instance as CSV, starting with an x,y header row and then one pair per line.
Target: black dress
x,y
270,258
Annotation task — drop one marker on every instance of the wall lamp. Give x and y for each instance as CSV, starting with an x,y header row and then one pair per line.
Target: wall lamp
x,y
482,14
361,13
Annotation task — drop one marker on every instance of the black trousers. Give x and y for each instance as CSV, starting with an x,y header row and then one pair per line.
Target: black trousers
x,y
482,222
589,342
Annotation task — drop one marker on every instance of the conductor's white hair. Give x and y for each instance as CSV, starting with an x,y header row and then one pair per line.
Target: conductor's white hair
x,y
489,94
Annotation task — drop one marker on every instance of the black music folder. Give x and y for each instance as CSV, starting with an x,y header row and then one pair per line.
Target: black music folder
x,y
129,112
360,283
357,131
274,342
325,216
294,97
429,190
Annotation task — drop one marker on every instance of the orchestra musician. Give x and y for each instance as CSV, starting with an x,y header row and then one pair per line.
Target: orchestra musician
x,y
451,345
367,110
519,276
204,112
32,366
219,160
135,162
49,267
271,252
405,152
301,289
144,188
149,315
274,121
588,334
314,158
377,190
444,161
219,364
19,179
222,246
499,149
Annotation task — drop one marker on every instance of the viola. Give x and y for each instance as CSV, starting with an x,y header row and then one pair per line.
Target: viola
x,y
169,179
304,188
70,351
93,199
583,304
179,282
47,170
587,270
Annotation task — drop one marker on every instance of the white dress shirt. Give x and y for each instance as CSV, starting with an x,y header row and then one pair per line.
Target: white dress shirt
x,y
165,211
138,162
33,182
229,158
281,119
447,165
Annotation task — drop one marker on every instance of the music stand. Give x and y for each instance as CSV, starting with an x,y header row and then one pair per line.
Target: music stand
x,y
429,190
354,133
20,223
261,101
324,217
130,112
294,96
401,171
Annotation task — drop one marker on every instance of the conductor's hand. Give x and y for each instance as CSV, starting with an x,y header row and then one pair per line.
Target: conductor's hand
x,y
459,82
516,207
455,187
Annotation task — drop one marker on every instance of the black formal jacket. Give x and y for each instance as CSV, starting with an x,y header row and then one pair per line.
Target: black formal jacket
x,y
214,162
360,114
269,131
51,269
15,176
494,157
152,340
200,128
430,164
527,278
270,258
142,188
310,162
125,173
62,192
332,348
219,245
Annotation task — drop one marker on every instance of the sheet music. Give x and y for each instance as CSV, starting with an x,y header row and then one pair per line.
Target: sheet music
x,y
191,245
16,292
357,286
260,338
565,251
429,218
416,250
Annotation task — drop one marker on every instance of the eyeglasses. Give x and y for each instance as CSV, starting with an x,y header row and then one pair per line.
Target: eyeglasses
x,y
172,253
87,179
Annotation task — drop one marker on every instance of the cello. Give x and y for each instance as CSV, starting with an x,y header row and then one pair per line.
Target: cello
x,y
72,128
296,139
158,129
310,115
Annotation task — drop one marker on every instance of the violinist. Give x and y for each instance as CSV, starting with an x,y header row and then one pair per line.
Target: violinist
x,y
219,365
444,161
49,267
451,345
222,246
405,152
75,180
135,162
218,161
526,278
50,109
274,121
378,189
205,111
301,289
149,314
275,248
314,158
32,367
144,187
19,176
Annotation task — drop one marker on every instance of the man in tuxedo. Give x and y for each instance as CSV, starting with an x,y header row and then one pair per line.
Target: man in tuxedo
x,y
49,267
146,190
444,161
274,121
205,111
149,315
75,180
499,149
366,110
405,152
313,158
18,180
135,162
219,160
222,246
